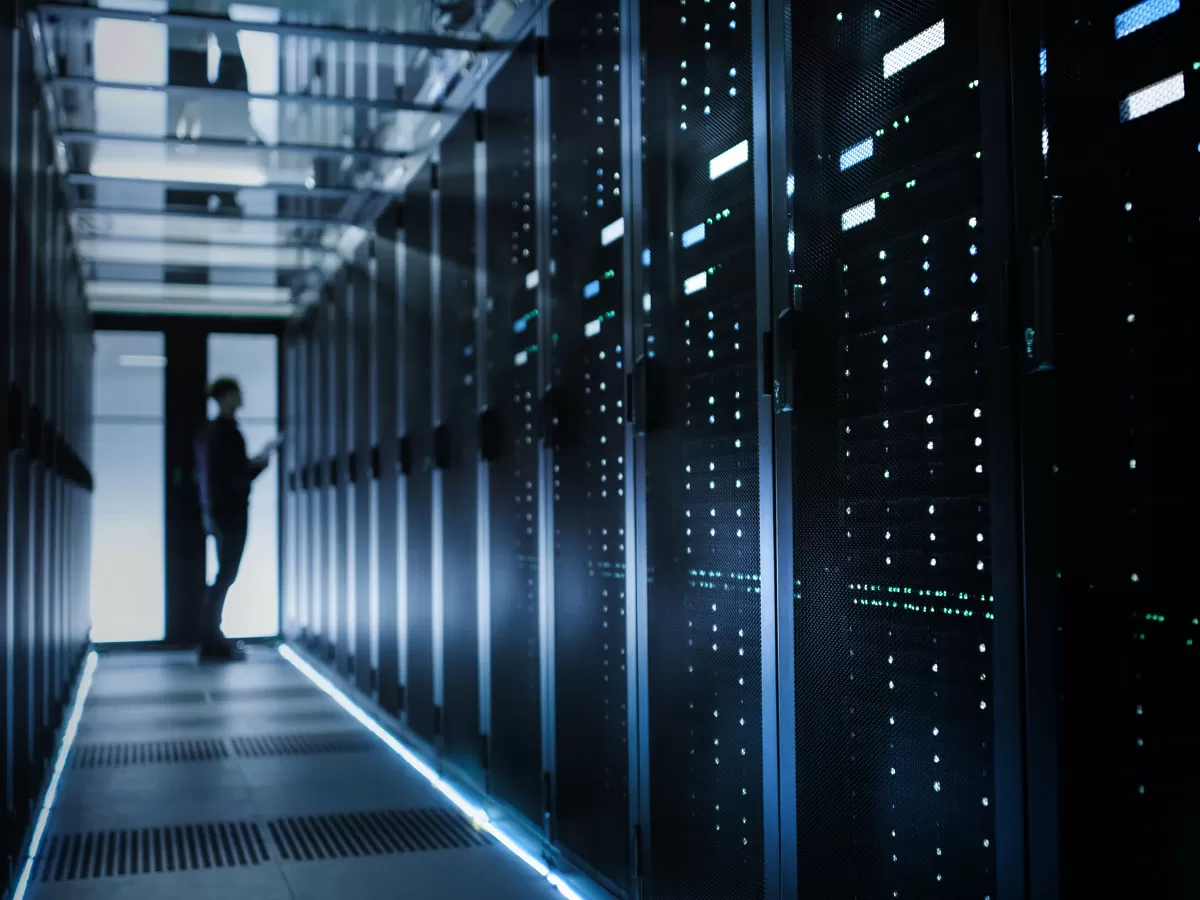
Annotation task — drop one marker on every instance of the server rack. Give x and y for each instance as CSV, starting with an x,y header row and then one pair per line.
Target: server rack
x,y
290,502
511,439
417,451
1119,96
854,290
390,420
319,498
584,424
362,470
340,598
697,402
45,363
457,444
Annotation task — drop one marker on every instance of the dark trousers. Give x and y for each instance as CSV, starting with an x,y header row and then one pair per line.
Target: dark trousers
x,y
230,536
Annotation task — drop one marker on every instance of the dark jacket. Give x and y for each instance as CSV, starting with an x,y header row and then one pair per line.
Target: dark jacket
x,y
224,472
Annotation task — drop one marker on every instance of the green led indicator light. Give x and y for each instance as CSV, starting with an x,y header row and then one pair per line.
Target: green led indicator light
x,y
886,195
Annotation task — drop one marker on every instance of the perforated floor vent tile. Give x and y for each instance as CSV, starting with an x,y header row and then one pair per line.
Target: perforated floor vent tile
x,y
113,854
259,746
310,838
167,697
280,692
96,756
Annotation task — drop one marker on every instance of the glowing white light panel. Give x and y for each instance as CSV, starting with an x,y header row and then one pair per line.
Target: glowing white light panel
x,y
1152,98
614,231
129,502
857,215
915,48
726,162
1138,17
861,151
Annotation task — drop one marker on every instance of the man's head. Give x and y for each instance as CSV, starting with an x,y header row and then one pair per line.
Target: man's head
x,y
228,394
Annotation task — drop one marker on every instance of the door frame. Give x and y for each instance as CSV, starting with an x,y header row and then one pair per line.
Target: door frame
x,y
185,411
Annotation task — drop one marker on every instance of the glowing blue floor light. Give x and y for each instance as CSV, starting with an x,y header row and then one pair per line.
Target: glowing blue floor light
x,y
60,764
477,816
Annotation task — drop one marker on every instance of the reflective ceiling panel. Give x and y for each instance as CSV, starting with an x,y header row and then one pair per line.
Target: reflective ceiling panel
x,y
220,155
193,229
205,255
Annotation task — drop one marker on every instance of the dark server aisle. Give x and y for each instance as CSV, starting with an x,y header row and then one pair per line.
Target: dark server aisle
x,y
249,781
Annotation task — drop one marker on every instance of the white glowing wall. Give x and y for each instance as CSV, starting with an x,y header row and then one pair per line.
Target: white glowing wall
x,y
129,504
252,607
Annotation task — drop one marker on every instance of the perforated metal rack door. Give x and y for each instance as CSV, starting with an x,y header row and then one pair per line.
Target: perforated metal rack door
x,y
592,779
1122,89
892,554
702,455
460,481
318,503
417,361
331,507
512,350
20,594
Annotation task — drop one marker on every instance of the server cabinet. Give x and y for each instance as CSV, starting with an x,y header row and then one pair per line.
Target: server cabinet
x,y
587,423
20,468
388,400
8,408
418,451
511,441
1120,96
362,538
696,395
898,441
290,504
458,445
317,375
39,221
300,432
340,596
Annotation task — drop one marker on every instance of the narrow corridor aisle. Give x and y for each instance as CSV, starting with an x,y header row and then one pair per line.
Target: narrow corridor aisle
x,y
247,781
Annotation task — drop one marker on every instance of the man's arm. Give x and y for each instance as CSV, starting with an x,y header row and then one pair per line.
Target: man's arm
x,y
260,463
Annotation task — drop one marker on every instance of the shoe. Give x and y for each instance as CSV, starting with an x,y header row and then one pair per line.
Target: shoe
x,y
222,651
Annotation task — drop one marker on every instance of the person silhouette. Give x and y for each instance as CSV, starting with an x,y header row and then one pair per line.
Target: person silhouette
x,y
225,474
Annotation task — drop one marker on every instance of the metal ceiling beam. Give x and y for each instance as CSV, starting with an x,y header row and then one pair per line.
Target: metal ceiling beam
x,y
58,82
80,179
325,151
201,22
282,221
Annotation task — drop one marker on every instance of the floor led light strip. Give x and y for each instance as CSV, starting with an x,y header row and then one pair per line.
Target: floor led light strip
x,y
60,764
477,816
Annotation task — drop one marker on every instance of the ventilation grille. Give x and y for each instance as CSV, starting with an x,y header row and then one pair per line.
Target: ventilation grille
x,y
301,744
372,834
110,854
96,756
215,716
